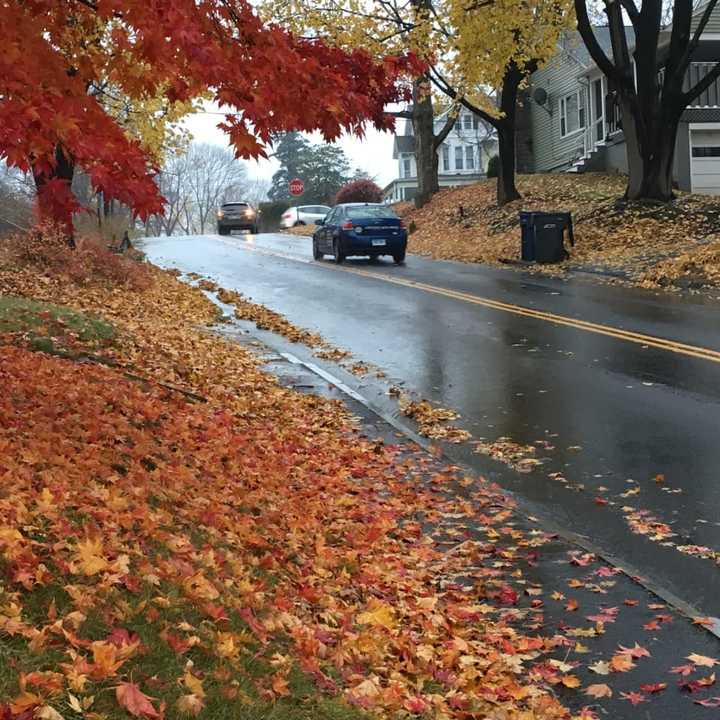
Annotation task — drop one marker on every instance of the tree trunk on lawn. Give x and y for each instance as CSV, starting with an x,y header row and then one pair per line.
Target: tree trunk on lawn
x,y
424,130
54,193
656,90
651,152
506,189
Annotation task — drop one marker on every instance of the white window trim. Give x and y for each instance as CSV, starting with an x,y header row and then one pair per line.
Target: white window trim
x,y
461,158
445,157
470,151
562,113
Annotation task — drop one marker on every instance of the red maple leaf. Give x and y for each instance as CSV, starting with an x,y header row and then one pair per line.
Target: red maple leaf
x,y
653,688
634,697
713,702
134,700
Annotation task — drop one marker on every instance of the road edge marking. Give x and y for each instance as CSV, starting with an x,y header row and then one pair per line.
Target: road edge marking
x,y
657,342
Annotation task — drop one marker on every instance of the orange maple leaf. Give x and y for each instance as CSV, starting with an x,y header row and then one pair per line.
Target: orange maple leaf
x,y
599,690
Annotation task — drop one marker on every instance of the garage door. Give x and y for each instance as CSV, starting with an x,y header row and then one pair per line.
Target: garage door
x,y
705,161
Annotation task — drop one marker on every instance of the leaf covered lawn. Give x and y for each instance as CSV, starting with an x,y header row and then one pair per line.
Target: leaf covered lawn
x,y
654,245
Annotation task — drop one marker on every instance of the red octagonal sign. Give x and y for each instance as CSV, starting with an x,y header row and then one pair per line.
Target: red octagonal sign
x,y
297,187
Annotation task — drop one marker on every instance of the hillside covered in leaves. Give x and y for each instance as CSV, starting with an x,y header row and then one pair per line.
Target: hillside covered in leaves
x,y
653,244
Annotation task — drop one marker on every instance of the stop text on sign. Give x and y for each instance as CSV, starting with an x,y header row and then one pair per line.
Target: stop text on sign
x,y
296,187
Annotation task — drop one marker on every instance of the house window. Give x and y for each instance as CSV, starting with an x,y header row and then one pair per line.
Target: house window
x,y
467,122
475,122
572,113
700,151
469,157
446,158
459,158
406,166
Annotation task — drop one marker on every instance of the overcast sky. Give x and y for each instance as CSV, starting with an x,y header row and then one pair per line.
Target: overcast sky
x,y
373,154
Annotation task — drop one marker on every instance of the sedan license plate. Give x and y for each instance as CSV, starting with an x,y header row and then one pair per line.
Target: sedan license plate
x,y
377,243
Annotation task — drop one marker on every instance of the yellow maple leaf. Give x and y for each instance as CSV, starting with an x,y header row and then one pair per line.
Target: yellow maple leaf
x,y
193,684
225,646
702,660
89,556
190,705
381,615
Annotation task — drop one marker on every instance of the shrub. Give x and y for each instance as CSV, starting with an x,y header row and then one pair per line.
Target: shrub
x,y
270,213
46,249
363,190
493,166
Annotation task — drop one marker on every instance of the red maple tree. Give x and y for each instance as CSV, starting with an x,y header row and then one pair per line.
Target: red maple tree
x,y
56,51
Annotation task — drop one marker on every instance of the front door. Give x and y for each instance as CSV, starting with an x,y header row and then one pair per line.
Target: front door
x,y
598,110
329,230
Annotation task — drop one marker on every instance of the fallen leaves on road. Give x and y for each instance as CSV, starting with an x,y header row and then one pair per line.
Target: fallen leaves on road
x,y
432,420
519,457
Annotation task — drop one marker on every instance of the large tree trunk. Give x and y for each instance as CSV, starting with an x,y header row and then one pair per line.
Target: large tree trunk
x,y
424,130
506,189
652,102
650,161
54,193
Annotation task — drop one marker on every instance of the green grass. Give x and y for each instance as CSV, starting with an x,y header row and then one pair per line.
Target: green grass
x,y
52,328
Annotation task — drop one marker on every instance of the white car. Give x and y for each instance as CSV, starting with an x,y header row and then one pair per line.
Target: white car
x,y
303,215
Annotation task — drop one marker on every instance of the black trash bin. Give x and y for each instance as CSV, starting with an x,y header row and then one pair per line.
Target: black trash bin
x,y
527,237
543,236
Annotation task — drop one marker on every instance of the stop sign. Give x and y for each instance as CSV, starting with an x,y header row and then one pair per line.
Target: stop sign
x,y
296,187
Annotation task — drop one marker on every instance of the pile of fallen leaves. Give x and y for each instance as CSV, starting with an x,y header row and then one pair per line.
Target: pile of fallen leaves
x,y
693,268
301,230
180,535
465,224
432,420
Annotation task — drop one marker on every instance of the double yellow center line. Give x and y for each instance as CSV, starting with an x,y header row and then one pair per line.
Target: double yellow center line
x,y
627,335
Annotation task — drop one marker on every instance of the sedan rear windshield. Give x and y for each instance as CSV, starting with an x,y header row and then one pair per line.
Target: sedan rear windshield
x,y
235,205
371,211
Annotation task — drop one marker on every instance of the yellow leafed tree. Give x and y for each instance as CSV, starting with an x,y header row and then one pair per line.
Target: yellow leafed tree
x,y
478,54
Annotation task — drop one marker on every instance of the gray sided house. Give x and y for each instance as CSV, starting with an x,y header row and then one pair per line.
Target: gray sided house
x,y
574,124
463,157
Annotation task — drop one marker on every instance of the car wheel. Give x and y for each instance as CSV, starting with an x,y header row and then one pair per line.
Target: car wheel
x,y
374,259
317,255
339,257
221,231
254,230
399,257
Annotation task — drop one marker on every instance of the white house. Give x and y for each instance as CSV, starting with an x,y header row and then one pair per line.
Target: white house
x,y
463,157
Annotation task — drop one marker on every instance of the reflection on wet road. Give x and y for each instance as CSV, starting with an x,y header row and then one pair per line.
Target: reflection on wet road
x,y
621,398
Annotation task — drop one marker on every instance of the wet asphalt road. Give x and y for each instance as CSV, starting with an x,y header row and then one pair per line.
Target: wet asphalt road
x,y
609,414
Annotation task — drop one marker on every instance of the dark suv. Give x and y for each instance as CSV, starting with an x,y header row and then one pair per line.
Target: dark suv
x,y
236,216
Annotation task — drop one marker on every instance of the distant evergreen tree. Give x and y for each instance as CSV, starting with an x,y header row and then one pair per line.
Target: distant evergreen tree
x,y
323,168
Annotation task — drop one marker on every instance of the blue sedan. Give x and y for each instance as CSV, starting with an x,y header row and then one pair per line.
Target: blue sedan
x,y
360,229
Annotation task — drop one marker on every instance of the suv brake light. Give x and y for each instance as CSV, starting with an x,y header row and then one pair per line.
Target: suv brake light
x,y
347,225
402,224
